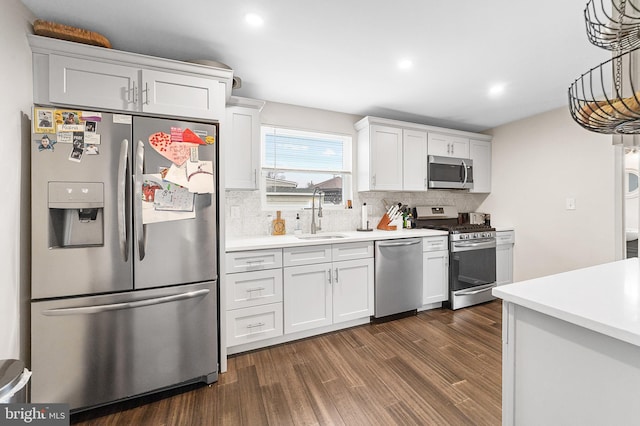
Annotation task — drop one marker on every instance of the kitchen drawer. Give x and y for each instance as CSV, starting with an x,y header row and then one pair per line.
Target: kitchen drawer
x,y
254,260
255,323
307,255
254,288
435,243
349,251
505,237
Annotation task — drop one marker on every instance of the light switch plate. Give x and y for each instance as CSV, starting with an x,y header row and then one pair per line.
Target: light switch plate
x,y
571,203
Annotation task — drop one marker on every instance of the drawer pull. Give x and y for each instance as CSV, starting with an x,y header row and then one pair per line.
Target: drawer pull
x,y
251,290
258,324
251,262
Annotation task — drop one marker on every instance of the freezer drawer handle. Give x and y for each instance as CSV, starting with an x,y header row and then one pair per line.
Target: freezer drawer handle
x,y
122,212
126,305
140,229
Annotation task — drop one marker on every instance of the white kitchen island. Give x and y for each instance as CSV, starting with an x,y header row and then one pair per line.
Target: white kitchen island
x,y
571,347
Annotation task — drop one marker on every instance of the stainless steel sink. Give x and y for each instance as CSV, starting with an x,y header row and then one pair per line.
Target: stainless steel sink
x,y
320,236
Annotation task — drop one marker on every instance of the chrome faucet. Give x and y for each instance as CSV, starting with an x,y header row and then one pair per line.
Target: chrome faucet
x,y
315,227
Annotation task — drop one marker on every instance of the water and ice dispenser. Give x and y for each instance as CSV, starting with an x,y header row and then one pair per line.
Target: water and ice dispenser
x,y
76,212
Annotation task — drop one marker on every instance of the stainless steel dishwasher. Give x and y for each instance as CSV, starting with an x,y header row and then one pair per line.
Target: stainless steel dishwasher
x,y
398,277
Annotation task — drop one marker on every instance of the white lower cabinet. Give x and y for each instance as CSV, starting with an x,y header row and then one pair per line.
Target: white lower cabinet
x,y
321,294
308,301
255,323
435,270
253,296
505,241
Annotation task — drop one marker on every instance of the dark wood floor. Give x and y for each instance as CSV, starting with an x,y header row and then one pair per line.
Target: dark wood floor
x,y
437,368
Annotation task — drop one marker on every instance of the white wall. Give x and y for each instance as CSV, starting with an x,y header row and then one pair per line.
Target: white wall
x,y
15,86
538,163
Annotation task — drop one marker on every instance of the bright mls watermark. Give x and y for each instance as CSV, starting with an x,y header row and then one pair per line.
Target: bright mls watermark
x,y
34,414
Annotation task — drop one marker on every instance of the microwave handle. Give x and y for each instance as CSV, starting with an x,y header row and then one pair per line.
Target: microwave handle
x,y
466,174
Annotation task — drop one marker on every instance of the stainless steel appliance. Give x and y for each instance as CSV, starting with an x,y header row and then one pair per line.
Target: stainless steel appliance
x,y
398,277
477,218
124,297
449,172
472,255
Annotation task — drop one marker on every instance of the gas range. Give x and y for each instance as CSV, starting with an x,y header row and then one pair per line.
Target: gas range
x,y
472,254
446,218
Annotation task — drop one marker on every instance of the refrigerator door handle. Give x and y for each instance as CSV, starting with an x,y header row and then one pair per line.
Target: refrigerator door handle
x,y
137,213
122,209
83,310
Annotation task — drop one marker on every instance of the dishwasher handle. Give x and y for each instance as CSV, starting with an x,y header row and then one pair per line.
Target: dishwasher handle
x,y
399,244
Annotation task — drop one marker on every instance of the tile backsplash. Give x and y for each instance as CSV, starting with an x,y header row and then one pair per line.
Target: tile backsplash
x,y
245,218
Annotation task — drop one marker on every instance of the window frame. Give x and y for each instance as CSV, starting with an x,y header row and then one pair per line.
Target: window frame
x,y
346,172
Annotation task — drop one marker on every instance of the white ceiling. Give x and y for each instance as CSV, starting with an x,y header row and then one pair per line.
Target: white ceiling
x,y
342,55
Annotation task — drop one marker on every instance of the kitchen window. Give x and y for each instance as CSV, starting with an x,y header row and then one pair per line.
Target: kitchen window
x,y
296,162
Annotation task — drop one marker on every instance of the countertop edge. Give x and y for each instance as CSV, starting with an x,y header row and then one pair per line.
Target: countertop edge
x,y
599,324
282,241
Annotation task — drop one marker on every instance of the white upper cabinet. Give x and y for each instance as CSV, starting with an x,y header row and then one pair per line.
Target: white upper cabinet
x,y
380,159
414,160
448,145
480,153
87,83
77,75
242,152
183,95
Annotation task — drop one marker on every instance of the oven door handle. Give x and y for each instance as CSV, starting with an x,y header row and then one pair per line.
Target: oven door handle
x,y
476,244
472,292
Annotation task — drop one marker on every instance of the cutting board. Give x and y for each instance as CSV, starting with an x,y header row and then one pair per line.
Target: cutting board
x,y
278,225
65,32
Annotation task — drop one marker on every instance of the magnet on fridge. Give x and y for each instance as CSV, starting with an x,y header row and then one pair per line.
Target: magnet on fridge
x,y
43,121
45,143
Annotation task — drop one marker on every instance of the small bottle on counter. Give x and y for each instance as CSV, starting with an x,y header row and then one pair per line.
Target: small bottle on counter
x,y
269,224
298,227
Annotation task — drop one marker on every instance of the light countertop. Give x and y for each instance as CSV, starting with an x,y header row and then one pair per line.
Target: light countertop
x,y
291,240
603,298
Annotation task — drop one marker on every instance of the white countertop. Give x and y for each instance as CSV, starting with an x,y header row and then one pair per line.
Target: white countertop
x,y
291,240
603,298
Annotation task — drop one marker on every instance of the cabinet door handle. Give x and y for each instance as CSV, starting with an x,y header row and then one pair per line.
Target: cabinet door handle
x,y
373,181
329,275
255,178
336,281
425,182
258,324
146,91
135,93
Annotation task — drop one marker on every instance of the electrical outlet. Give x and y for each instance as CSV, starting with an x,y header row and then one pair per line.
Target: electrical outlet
x,y
571,203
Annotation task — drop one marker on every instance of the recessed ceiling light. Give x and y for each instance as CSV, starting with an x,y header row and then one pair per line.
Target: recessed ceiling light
x,y
497,90
405,64
253,19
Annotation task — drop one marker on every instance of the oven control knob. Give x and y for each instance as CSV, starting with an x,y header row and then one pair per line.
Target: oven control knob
x,y
463,236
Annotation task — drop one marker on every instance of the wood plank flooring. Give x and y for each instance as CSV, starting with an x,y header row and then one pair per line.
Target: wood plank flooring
x,y
440,367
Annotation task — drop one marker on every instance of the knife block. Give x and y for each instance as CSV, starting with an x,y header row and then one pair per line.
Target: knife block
x,y
384,224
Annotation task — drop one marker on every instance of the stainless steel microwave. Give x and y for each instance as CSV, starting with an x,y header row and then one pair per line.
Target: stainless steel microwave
x,y
450,172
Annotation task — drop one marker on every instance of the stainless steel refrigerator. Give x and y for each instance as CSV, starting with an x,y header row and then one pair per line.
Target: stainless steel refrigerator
x,y
121,305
